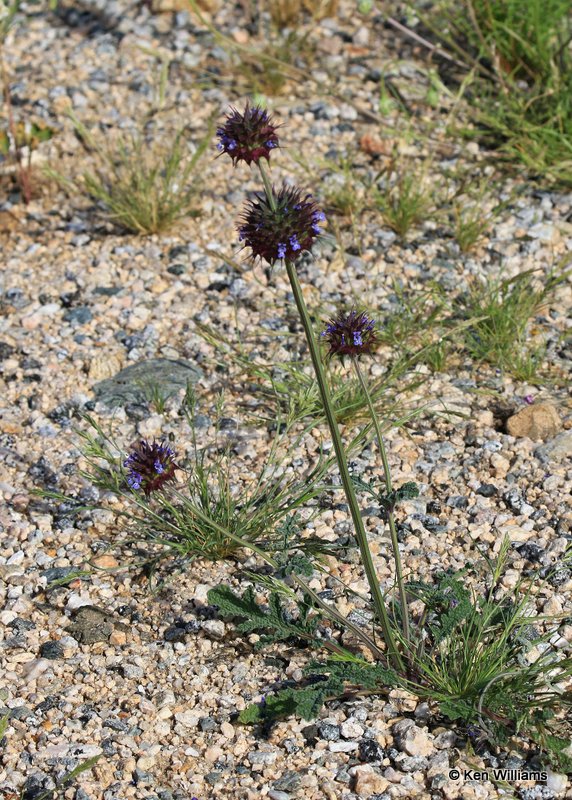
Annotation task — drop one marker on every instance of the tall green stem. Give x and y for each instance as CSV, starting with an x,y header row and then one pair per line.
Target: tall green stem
x,y
390,514
361,535
267,187
367,560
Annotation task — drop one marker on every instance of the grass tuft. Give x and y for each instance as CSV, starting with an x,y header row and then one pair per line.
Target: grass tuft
x,y
189,520
522,94
139,186
486,662
406,199
499,313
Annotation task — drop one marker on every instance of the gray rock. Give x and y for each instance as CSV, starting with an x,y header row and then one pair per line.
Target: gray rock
x,y
412,740
91,624
412,763
329,732
556,449
516,502
132,671
370,751
79,315
261,757
19,712
445,740
52,650
21,625
57,573
132,384
288,782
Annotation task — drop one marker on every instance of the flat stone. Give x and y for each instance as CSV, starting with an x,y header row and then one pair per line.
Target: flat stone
x,y
556,781
52,650
188,718
412,740
133,384
558,449
539,422
90,624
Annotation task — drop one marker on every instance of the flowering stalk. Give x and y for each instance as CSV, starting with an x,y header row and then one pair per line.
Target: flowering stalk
x,y
389,490
369,567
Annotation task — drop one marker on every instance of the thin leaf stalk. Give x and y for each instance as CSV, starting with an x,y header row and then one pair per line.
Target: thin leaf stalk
x,y
390,513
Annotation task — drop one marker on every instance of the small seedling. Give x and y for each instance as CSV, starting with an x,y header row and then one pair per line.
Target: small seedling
x,y
18,143
18,139
473,215
405,199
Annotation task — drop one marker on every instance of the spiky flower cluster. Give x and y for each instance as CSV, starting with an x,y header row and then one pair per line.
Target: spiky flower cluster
x,y
282,232
151,465
248,136
351,334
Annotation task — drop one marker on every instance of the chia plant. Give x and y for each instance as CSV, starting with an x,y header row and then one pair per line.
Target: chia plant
x,y
280,227
466,650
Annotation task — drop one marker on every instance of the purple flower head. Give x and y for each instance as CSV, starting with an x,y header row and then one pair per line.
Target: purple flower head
x,y
151,465
283,232
248,136
351,333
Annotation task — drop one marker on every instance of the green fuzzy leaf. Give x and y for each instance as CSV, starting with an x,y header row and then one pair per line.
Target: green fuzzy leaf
x,y
297,564
273,625
335,679
408,491
251,714
450,603
304,702
362,486
231,604
356,673
555,747
456,709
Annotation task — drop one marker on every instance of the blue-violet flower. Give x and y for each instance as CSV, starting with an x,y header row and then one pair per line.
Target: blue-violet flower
x,y
351,334
283,232
150,466
248,136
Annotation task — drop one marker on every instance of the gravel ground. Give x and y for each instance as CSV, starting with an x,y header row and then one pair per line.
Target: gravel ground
x,y
152,682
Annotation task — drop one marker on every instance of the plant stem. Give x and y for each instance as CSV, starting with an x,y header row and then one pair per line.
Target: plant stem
x,y
361,535
267,186
390,514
